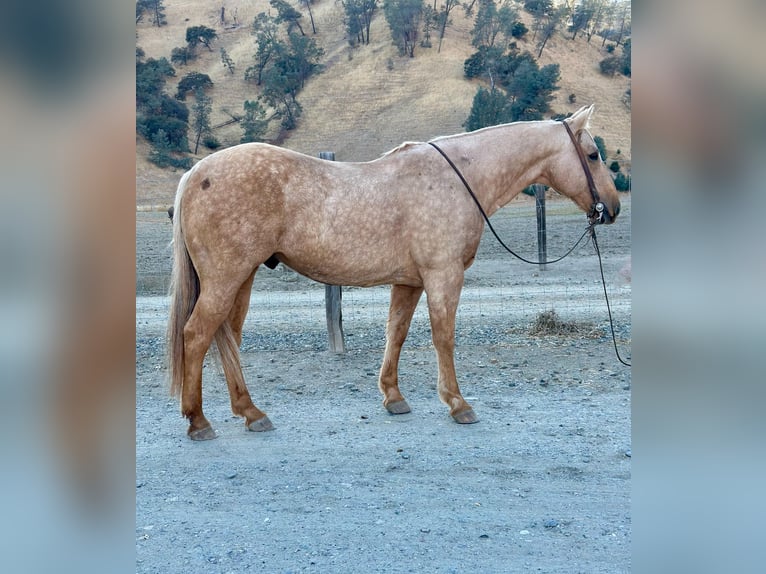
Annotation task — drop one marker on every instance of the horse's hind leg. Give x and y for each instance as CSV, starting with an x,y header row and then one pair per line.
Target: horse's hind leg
x,y
404,300
241,402
208,315
443,292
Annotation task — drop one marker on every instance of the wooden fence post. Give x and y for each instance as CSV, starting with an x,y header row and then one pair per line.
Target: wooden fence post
x,y
542,246
332,301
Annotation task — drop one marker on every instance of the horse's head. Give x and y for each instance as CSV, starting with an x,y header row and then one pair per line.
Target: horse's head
x,y
578,172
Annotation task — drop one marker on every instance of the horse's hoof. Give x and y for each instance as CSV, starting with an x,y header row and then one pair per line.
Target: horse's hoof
x,y
398,407
206,433
261,425
466,417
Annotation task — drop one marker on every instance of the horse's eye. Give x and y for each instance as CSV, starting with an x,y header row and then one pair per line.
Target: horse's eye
x,y
593,156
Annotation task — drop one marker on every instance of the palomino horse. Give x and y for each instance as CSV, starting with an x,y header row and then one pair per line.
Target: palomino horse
x,y
405,219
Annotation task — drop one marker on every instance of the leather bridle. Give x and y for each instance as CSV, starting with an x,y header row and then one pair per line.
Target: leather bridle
x,y
596,213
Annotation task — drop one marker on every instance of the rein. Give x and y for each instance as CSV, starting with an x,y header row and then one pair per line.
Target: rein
x,y
486,218
594,218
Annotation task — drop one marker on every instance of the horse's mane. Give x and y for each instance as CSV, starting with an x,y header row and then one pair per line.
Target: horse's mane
x,y
584,126
401,147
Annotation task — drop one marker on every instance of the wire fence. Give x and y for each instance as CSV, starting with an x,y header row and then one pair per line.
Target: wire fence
x,y
501,297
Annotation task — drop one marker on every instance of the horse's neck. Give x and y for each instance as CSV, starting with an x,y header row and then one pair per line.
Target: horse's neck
x,y
504,160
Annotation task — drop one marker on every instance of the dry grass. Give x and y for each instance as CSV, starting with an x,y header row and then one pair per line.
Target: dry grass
x,y
549,323
368,99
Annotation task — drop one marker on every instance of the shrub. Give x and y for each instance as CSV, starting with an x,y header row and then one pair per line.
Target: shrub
x,y
622,182
173,128
599,141
210,142
518,30
611,65
161,153
182,56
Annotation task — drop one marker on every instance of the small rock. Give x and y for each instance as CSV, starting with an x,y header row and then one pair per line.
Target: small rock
x,y
484,536
524,532
550,523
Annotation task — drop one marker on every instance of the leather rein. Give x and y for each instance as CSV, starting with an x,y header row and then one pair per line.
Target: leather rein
x,y
595,216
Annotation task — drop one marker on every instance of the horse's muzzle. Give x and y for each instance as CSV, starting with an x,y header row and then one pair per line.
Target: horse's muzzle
x,y
600,214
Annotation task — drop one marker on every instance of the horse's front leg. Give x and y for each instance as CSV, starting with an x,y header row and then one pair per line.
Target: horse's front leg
x,y
404,300
443,292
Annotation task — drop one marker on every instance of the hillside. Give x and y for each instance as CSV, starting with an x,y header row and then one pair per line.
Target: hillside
x,y
368,99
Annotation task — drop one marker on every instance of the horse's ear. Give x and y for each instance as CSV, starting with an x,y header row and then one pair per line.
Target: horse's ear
x,y
578,121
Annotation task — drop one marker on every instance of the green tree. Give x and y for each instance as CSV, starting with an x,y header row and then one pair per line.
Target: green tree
x,y
162,153
280,93
151,76
159,154
531,90
292,65
226,60
201,111
200,35
443,20
358,17
492,21
254,123
430,22
311,15
302,59
625,62
600,11
191,82
581,16
155,110
288,15
550,22
267,43
182,55
404,18
489,108
154,8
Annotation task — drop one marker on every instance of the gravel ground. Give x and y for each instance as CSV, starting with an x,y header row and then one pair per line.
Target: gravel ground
x,y
540,484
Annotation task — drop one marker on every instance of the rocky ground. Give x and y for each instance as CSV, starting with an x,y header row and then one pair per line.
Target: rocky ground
x,y
540,484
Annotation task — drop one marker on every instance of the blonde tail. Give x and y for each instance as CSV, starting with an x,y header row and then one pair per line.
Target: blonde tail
x,y
184,291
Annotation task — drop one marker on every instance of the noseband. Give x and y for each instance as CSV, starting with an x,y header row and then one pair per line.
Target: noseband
x,y
596,213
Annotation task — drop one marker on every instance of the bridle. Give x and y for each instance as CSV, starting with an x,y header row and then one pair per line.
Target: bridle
x,y
596,213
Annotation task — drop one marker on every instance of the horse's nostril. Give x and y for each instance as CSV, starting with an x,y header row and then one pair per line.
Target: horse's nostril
x,y
617,210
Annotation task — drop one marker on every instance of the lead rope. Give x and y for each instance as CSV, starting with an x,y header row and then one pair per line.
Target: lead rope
x,y
591,228
486,219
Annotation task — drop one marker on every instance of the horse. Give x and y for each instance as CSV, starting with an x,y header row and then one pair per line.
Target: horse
x,y
405,219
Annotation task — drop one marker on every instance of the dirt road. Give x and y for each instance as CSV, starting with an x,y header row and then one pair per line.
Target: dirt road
x,y
540,484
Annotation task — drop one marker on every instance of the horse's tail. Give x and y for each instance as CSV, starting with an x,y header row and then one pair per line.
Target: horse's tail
x,y
184,292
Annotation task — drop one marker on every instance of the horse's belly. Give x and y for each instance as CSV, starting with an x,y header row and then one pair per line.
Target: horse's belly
x,y
359,272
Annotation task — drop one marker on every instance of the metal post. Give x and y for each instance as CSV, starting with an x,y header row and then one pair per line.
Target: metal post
x,y
542,247
332,300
